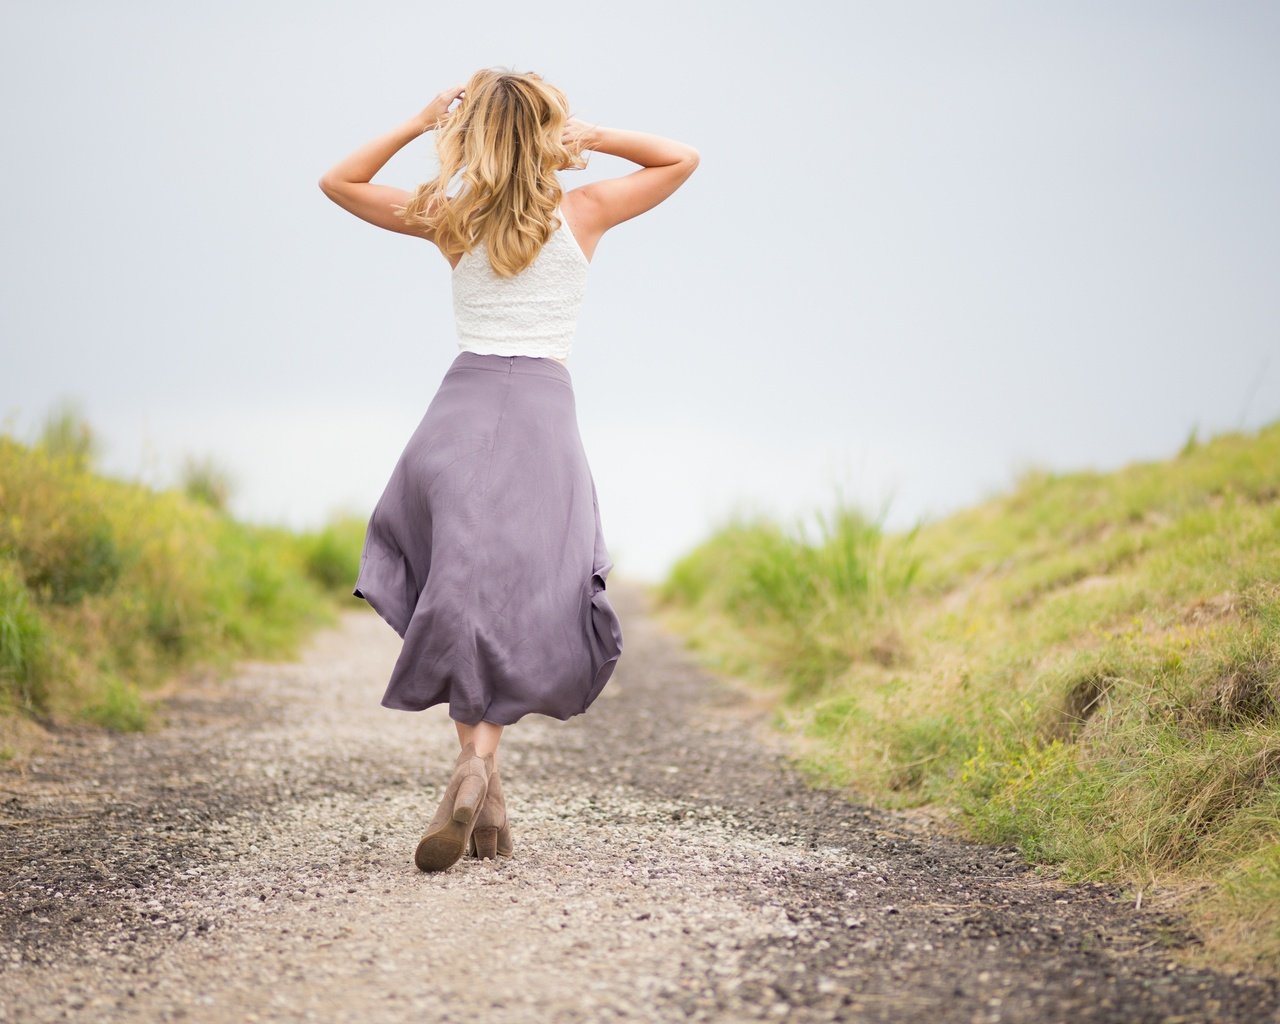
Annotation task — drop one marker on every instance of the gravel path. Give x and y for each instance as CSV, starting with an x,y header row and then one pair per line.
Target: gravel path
x,y
253,862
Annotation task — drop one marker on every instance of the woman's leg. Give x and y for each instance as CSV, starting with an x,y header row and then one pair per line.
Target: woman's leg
x,y
486,736
492,835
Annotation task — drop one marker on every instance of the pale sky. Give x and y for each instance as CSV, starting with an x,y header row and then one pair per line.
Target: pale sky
x,y
928,244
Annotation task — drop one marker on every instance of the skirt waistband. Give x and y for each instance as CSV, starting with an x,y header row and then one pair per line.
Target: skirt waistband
x,y
540,366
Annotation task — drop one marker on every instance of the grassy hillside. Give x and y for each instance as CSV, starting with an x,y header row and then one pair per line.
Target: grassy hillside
x,y
1087,666
108,587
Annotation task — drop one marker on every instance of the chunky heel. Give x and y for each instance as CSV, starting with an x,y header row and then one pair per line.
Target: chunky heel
x,y
492,834
484,843
467,803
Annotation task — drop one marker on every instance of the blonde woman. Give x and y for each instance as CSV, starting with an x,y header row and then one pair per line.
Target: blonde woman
x,y
485,551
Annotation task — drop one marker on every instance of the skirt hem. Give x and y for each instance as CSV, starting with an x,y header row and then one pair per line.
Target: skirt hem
x,y
492,721
376,603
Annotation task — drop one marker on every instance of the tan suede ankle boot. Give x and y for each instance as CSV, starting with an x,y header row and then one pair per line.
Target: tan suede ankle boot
x,y
492,835
449,833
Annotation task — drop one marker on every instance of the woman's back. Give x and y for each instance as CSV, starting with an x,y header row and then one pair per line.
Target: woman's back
x,y
534,312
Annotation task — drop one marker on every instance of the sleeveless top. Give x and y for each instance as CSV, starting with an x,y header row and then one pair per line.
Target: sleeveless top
x,y
534,313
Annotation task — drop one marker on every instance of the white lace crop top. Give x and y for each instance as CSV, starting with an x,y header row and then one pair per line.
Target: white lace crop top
x,y
534,313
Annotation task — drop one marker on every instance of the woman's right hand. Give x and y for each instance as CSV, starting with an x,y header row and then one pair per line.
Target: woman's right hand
x,y
574,129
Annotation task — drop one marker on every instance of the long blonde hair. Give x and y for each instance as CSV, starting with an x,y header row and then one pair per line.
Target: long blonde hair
x,y
506,139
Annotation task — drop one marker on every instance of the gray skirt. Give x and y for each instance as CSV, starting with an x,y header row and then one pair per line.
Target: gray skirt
x,y
485,552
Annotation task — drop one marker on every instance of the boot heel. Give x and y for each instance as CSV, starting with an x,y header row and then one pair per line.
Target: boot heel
x,y
467,803
484,843
491,825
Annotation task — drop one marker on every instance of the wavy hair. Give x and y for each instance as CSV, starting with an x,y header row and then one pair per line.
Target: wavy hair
x,y
506,139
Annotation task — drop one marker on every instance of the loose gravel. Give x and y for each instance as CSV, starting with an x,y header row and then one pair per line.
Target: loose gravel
x,y
252,861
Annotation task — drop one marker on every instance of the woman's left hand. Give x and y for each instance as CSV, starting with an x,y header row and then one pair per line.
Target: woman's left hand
x,y
437,111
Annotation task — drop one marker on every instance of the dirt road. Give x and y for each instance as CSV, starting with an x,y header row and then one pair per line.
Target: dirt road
x,y
253,862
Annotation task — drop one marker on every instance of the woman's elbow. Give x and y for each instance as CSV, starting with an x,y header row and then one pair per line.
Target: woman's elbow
x,y
689,163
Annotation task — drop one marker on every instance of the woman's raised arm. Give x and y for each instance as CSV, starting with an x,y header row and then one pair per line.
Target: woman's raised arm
x,y
349,182
667,164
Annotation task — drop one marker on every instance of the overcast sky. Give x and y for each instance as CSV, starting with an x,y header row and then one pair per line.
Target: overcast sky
x,y
928,243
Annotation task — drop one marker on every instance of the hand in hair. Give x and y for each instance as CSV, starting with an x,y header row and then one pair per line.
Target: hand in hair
x,y
576,129
437,111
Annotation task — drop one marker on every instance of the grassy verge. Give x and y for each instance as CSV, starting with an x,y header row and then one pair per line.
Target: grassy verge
x,y
1087,667
108,587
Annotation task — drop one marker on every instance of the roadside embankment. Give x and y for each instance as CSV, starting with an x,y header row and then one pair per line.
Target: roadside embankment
x,y
1087,666
109,587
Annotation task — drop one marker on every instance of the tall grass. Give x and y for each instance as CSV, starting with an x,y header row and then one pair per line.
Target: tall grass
x,y
1087,666
108,587
814,594
65,432
205,479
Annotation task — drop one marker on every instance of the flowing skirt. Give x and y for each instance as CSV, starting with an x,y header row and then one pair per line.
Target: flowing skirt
x,y
485,552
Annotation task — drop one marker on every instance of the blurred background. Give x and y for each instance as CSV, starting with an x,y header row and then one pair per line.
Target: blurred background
x,y
928,245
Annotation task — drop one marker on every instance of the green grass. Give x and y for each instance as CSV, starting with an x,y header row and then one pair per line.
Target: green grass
x,y
108,588
1087,666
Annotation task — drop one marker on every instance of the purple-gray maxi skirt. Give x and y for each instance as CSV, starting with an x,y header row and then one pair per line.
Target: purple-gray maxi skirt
x,y
485,552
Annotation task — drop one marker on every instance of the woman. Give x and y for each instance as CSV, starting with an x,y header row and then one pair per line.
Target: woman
x,y
485,552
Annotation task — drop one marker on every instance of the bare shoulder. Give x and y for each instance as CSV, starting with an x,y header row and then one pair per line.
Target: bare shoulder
x,y
582,217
